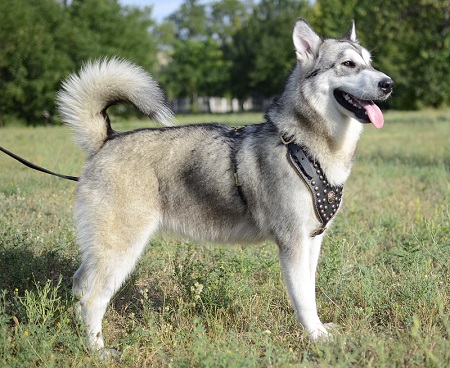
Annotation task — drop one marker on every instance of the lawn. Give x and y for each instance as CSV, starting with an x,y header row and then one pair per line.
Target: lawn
x,y
383,275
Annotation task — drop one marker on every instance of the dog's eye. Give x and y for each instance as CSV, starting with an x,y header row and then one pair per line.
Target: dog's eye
x,y
349,64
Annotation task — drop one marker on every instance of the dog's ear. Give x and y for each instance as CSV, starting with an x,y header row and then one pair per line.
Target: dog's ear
x,y
306,41
351,33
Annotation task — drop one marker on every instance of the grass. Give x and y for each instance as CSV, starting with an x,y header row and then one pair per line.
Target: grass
x,y
383,274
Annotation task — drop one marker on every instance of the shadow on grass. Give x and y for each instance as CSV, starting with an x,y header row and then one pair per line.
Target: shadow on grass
x,y
22,270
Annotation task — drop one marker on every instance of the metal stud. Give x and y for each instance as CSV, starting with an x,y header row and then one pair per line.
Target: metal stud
x,y
313,182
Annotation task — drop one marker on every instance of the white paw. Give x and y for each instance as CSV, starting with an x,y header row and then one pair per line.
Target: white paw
x,y
319,333
322,332
105,354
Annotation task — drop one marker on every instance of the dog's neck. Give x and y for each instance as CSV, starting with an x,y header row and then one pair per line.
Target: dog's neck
x,y
329,136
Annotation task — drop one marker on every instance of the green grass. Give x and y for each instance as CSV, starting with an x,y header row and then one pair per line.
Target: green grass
x,y
383,275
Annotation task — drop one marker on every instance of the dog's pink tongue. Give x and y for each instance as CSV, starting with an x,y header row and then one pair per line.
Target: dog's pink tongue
x,y
374,113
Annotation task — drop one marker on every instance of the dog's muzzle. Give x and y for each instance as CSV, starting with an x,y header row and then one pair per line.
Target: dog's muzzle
x,y
366,111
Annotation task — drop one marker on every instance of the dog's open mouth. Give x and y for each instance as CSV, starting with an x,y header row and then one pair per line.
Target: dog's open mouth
x,y
365,111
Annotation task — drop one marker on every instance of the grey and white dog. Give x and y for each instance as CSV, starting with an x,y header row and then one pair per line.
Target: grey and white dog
x,y
208,182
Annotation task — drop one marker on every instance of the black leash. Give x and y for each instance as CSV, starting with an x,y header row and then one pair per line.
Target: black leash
x,y
35,167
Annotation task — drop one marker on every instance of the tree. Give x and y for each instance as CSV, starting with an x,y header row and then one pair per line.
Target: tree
x,y
410,41
197,68
264,54
105,28
32,59
223,47
197,63
41,42
423,65
228,17
190,21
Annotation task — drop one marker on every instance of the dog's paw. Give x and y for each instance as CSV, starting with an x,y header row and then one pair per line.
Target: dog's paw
x,y
319,333
105,354
323,332
318,336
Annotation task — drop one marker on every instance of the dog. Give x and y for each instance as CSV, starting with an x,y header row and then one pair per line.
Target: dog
x,y
208,182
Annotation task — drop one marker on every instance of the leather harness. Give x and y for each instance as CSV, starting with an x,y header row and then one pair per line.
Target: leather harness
x,y
326,198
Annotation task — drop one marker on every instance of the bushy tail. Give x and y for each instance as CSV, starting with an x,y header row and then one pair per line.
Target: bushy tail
x,y
84,98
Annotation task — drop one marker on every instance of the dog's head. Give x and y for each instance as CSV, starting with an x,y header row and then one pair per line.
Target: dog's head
x,y
341,69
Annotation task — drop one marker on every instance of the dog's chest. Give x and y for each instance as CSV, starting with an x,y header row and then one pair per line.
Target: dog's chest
x,y
326,198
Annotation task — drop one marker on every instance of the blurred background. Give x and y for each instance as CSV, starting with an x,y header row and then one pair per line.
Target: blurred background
x,y
216,55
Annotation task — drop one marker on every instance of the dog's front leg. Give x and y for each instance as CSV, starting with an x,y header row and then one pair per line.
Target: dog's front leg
x,y
298,262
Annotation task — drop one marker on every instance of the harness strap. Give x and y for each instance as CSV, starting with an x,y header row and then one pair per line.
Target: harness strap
x,y
236,135
325,197
35,167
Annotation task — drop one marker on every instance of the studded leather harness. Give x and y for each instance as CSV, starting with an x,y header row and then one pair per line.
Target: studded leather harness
x,y
326,198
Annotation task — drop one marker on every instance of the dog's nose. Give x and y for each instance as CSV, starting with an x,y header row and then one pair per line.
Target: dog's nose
x,y
386,85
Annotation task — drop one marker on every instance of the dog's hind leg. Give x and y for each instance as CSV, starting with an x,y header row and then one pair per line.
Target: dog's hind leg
x,y
107,259
298,262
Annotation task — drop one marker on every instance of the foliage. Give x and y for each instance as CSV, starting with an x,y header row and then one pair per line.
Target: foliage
x,y
105,28
197,64
190,21
410,41
43,41
383,272
33,57
197,68
263,54
231,48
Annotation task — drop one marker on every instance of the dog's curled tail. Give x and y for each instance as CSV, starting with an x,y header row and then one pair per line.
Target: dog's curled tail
x,y
84,98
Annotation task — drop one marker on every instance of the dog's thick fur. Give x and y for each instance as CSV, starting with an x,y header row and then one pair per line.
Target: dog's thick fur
x,y
181,179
